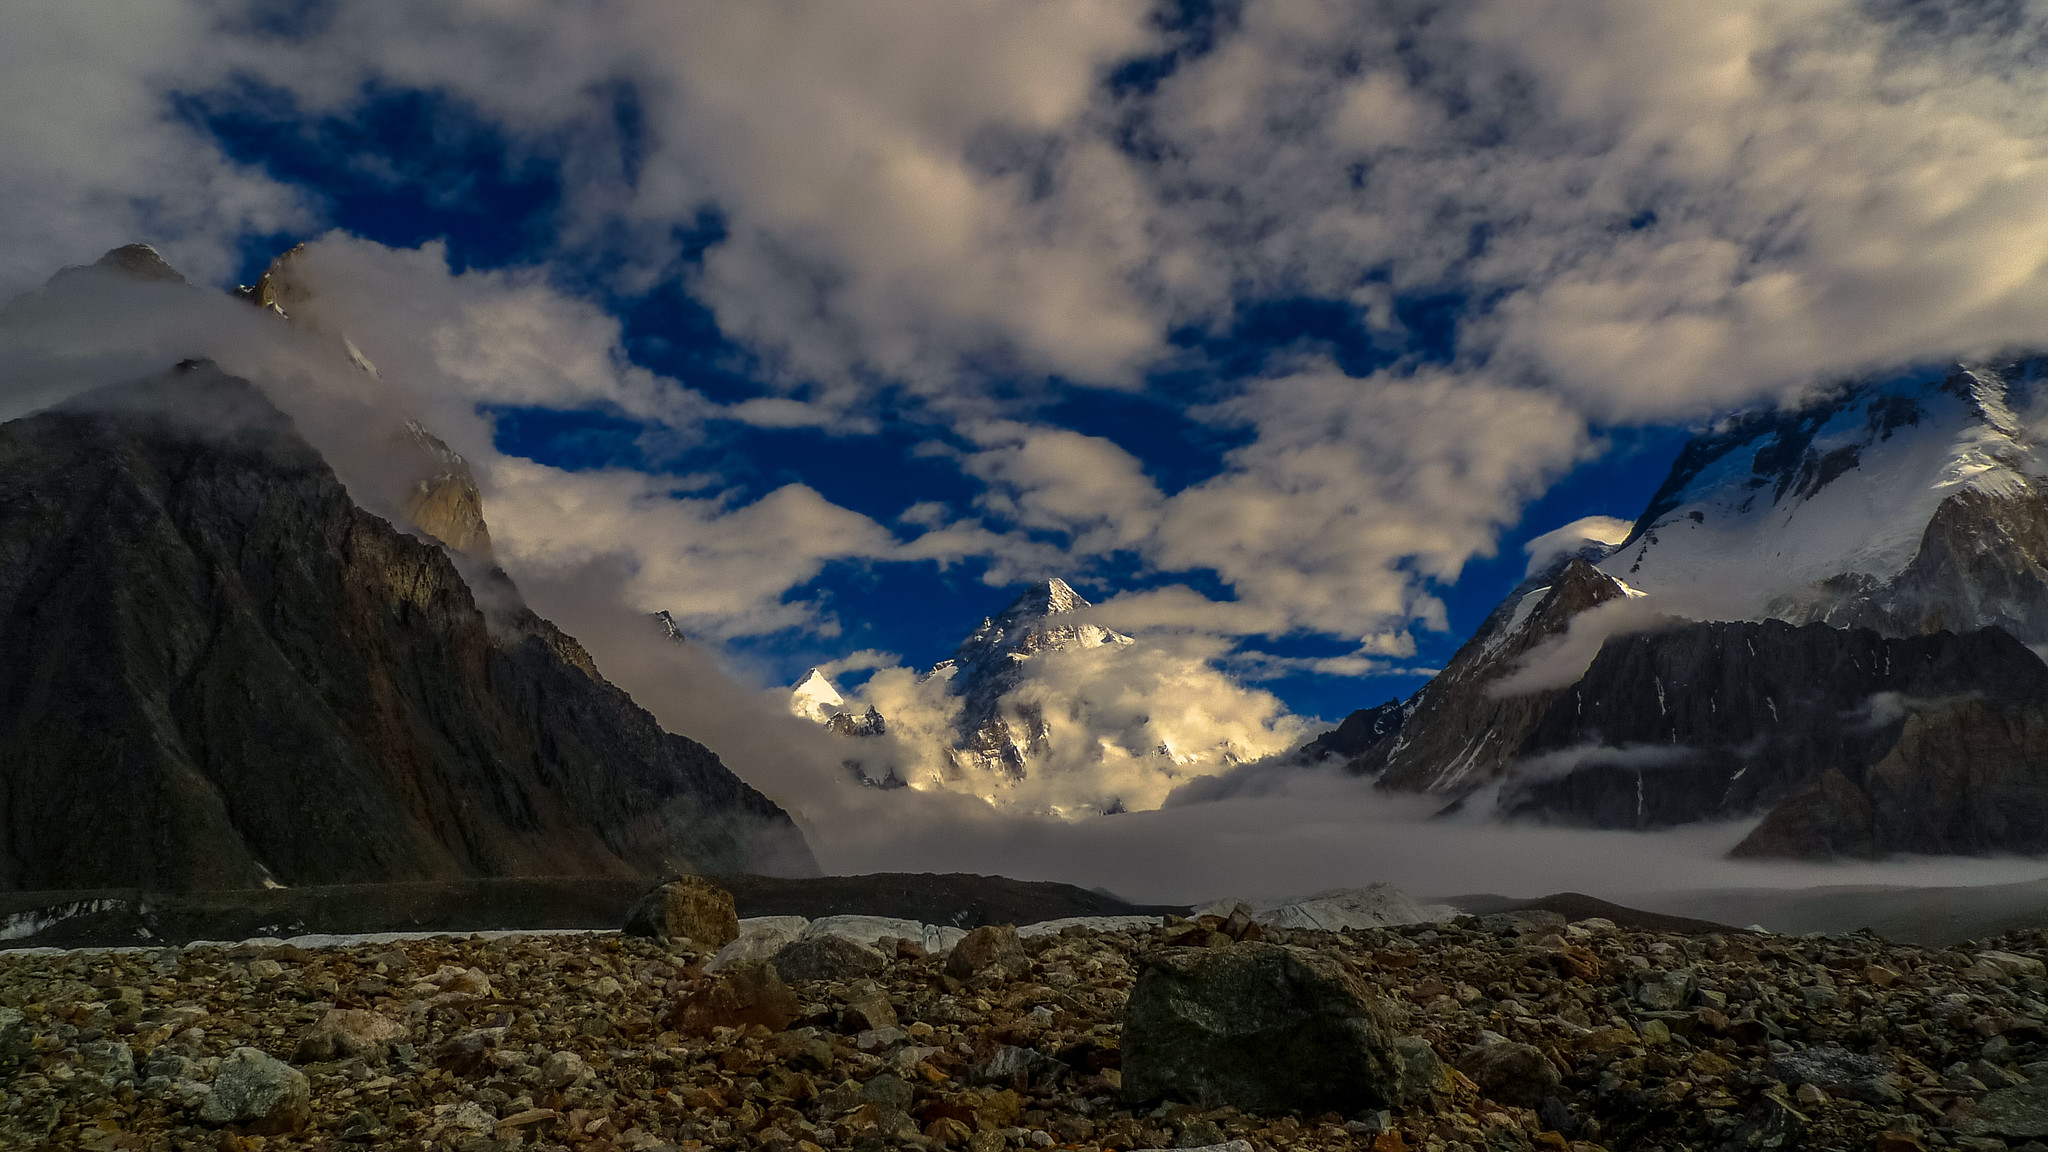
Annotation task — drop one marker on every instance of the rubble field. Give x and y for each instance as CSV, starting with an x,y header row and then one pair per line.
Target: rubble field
x,y
1544,1035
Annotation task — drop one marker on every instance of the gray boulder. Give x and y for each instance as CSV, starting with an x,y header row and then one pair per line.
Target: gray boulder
x,y
346,1033
2019,1113
828,958
1518,1074
1260,1027
259,1091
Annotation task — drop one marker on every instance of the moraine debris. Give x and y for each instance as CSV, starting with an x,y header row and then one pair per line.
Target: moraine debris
x,y
1509,1032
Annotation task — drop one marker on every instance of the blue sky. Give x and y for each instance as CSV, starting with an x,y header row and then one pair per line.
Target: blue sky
x,y
1278,323
404,167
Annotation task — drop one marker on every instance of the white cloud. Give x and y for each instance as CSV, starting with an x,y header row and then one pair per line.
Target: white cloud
x,y
1355,487
1658,209
92,155
1584,532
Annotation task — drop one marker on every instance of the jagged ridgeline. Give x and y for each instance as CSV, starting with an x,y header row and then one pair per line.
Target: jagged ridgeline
x,y
1830,616
217,670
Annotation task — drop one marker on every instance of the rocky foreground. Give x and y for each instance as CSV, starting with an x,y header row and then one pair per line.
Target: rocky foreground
x,y
1511,1031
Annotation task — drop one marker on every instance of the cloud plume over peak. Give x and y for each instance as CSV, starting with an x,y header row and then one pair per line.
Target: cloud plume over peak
x,y
1368,274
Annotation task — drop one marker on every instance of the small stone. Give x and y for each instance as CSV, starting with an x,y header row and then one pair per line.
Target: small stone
x,y
259,1091
889,1091
462,981
1655,1032
690,907
1668,991
867,1010
265,969
564,1070
1005,1064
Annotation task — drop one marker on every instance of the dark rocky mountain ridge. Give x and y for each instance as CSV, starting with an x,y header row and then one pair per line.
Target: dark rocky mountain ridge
x,y
219,671
1870,712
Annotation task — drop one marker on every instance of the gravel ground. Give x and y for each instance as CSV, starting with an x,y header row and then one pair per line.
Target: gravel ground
x,y
1646,1040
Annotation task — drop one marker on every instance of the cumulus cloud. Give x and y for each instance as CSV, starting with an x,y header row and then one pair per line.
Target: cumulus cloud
x,y
95,155
1122,726
1650,212
1664,210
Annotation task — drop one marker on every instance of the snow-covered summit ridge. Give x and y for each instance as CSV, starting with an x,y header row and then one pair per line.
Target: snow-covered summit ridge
x,y
1026,628
1794,514
1039,707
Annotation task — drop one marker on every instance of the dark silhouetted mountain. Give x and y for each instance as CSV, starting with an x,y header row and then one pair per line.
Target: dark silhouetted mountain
x,y
216,670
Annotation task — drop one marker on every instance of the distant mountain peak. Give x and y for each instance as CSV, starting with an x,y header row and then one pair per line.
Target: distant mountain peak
x,y
139,261
815,697
1048,597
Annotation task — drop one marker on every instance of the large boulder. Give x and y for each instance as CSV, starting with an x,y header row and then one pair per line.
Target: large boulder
x,y
761,937
991,946
828,958
689,907
1259,1027
260,1092
743,995
1518,1074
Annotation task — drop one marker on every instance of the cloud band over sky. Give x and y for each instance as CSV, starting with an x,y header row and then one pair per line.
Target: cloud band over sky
x,y
979,227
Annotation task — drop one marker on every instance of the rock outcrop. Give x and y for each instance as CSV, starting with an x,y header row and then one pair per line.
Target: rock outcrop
x,y
1261,1027
1966,775
1721,720
1837,603
1459,733
216,670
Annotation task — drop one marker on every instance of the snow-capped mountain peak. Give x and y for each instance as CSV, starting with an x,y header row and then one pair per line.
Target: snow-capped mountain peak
x,y
1028,626
1809,514
815,697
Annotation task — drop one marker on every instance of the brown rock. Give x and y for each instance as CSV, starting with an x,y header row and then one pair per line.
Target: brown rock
x,y
989,946
347,1033
688,906
742,995
1518,1074
866,1012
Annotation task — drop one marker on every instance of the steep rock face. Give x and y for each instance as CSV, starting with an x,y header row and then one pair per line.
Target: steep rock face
x,y
1855,551
444,501
1966,775
216,671
1719,720
1358,733
1459,733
